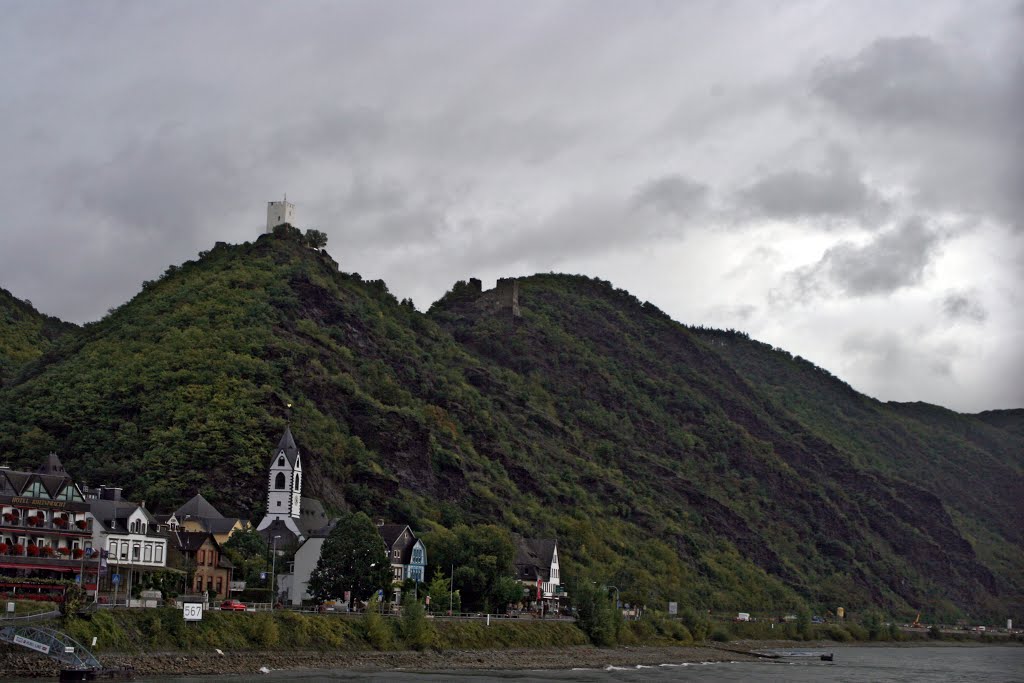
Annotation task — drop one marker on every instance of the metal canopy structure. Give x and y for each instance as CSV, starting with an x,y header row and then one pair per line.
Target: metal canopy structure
x,y
52,643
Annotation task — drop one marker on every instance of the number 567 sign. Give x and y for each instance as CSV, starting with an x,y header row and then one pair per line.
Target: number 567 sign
x,y
193,611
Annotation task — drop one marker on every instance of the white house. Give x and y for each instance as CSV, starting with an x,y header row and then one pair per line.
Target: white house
x,y
129,533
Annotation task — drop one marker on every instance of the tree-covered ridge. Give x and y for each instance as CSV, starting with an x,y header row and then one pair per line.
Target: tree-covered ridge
x,y
658,461
974,463
25,334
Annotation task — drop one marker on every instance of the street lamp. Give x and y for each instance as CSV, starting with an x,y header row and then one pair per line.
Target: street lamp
x,y
273,573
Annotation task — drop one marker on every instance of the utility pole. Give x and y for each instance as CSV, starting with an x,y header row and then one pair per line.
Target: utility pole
x,y
451,594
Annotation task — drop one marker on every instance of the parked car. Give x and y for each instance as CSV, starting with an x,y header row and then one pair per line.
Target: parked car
x,y
233,605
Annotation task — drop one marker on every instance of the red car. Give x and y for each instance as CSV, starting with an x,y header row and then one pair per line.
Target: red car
x,y
233,605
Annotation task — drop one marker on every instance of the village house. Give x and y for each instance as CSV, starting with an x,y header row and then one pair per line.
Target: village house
x,y
198,555
537,569
406,553
45,526
129,533
199,515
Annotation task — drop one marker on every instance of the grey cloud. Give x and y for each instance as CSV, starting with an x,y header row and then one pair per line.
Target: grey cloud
x,y
837,190
888,355
953,119
890,261
672,194
963,306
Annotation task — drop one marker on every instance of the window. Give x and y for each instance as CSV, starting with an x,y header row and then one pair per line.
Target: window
x,y
199,583
148,557
417,556
136,552
279,481
220,584
210,558
280,461
201,557
396,554
297,484
159,556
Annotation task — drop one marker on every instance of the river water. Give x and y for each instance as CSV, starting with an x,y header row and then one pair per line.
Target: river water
x,y
851,665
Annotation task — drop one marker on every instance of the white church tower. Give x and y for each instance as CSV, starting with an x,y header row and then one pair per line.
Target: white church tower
x,y
280,212
284,485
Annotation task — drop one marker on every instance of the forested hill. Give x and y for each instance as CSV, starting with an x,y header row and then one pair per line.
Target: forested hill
x,y
672,462
25,334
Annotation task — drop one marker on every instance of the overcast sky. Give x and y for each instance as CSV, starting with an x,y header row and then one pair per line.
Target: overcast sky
x,y
844,179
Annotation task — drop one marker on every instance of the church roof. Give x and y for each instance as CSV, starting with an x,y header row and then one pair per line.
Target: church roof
x,y
197,507
287,444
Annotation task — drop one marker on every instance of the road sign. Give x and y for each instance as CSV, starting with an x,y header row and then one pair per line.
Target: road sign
x,y
192,611
263,576
673,608
115,579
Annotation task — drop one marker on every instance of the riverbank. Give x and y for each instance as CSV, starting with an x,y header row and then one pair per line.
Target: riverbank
x,y
248,663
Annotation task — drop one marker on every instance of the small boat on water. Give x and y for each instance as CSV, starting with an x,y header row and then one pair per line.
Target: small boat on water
x,y
827,657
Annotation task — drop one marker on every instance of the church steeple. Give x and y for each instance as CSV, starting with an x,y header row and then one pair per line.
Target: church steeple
x,y
284,484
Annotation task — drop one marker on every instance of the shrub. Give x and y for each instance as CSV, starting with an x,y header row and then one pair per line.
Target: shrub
x,y
416,632
720,635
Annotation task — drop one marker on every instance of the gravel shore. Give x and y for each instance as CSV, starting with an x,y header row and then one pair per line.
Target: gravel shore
x,y
18,665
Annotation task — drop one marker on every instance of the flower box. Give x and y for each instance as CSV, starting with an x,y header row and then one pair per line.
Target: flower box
x,y
77,553
46,551
33,551
19,549
4,548
64,551
81,524
8,517
61,522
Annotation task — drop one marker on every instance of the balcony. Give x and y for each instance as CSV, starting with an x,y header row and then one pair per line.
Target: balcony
x,y
57,562
10,522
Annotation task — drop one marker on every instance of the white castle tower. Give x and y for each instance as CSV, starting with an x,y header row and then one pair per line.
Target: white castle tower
x,y
280,212
284,485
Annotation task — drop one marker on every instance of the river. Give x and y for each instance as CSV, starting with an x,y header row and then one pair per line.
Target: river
x,y
867,664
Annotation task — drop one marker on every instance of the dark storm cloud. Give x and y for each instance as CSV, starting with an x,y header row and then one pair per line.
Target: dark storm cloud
x,y
963,306
835,191
891,261
955,119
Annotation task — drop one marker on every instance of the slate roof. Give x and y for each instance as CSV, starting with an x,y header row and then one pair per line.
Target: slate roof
x,y
221,525
287,444
189,541
197,507
278,527
392,535
533,558
52,465
106,511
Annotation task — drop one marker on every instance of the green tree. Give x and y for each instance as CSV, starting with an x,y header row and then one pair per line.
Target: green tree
x,y
441,597
317,239
482,556
596,614
416,630
248,552
352,559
